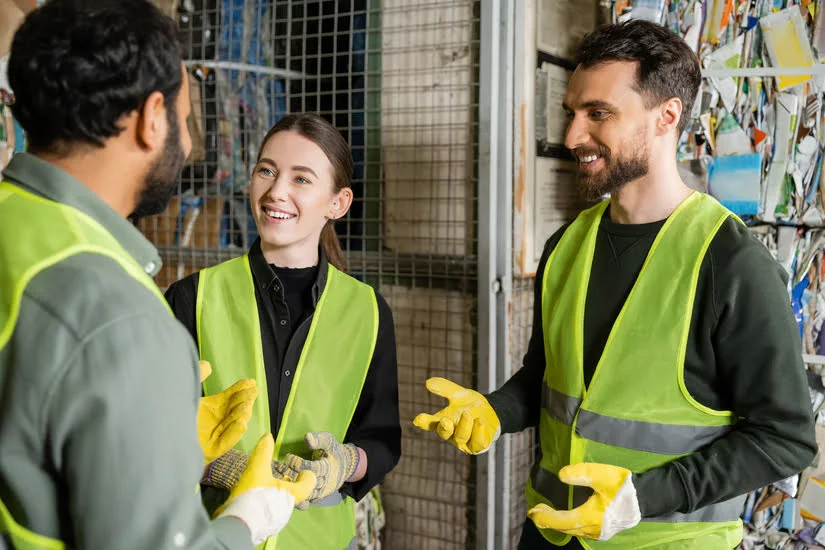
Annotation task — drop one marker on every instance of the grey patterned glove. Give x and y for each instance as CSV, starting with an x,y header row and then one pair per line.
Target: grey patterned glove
x,y
332,463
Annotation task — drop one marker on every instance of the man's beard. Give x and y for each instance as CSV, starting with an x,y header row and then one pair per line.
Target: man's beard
x,y
616,173
161,182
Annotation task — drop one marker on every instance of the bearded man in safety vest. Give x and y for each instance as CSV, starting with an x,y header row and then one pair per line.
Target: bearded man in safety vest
x,y
100,385
664,373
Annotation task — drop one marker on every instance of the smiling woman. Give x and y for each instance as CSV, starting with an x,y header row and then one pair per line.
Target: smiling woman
x,y
319,343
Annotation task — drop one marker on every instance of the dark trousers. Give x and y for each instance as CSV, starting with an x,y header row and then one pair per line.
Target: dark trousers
x,y
531,539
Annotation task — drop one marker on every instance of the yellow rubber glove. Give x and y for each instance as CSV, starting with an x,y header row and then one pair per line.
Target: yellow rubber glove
x,y
258,474
206,370
612,508
332,463
468,421
223,418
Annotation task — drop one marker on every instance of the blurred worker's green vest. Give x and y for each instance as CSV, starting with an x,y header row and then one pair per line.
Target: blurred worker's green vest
x,y
36,234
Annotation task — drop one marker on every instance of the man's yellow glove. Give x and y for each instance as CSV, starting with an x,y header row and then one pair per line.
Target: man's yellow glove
x,y
264,504
223,417
468,421
612,508
332,463
206,369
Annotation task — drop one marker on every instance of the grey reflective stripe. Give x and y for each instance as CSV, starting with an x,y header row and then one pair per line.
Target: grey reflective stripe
x,y
668,439
559,406
550,487
352,545
330,500
729,510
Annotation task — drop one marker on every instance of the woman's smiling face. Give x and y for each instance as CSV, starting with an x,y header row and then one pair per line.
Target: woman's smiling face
x,y
292,193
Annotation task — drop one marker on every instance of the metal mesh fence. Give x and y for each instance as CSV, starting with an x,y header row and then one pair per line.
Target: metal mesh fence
x,y
522,445
428,137
399,79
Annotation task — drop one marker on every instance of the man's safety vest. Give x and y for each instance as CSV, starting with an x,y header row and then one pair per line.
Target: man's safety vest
x,y
636,412
326,383
46,233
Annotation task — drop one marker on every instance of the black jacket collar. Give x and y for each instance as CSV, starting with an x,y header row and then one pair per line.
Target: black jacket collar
x,y
265,276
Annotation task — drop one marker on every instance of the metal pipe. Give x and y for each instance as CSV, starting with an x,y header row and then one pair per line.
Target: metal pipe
x,y
764,71
245,67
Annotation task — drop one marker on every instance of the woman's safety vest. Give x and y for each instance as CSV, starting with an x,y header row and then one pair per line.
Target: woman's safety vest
x,y
326,383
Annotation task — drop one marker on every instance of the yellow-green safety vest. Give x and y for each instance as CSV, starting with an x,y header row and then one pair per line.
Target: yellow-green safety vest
x,y
636,412
47,233
326,384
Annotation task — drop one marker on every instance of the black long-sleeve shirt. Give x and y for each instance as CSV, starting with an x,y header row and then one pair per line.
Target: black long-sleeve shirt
x,y
286,301
743,354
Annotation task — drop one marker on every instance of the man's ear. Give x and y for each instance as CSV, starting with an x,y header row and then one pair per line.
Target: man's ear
x,y
151,122
670,113
340,203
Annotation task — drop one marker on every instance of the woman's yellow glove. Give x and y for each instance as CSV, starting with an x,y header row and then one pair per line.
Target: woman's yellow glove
x,y
258,474
223,417
612,508
468,421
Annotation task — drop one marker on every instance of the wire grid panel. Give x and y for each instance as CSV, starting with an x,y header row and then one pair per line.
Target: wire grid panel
x,y
427,268
427,120
428,496
522,445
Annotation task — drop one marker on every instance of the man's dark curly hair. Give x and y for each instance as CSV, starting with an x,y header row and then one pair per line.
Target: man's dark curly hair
x,y
78,66
667,66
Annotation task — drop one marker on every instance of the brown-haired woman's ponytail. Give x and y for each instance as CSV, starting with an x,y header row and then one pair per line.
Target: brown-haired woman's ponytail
x,y
332,247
